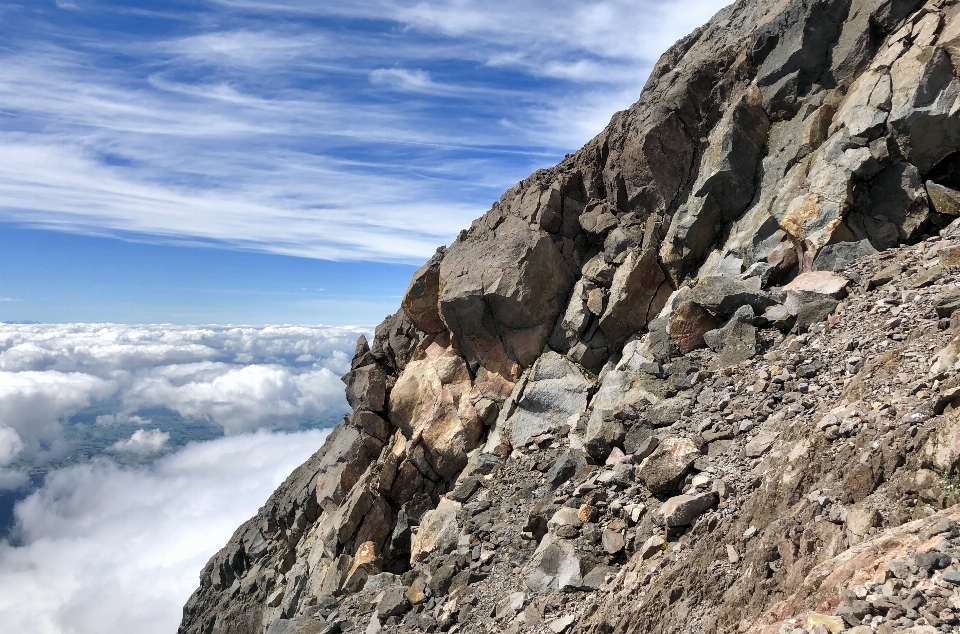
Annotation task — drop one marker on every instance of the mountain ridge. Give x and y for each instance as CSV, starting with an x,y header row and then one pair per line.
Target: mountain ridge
x,y
572,356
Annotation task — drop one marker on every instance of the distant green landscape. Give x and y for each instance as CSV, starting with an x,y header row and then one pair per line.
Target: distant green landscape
x,y
88,439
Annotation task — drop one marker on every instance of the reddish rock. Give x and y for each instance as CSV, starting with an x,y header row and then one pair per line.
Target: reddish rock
x,y
688,323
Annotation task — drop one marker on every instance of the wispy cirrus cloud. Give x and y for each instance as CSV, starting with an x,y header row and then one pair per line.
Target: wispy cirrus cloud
x,y
372,130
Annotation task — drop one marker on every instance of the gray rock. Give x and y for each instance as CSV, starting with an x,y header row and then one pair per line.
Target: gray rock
x,y
814,312
393,603
555,565
598,576
565,466
613,541
760,444
502,288
640,442
722,296
952,576
944,199
664,469
639,291
555,390
668,411
737,341
421,302
897,194
683,509
931,561
835,257
366,388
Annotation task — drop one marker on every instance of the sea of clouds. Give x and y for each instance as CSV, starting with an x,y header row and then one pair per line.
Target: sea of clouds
x,y
109,549
105,547
239,378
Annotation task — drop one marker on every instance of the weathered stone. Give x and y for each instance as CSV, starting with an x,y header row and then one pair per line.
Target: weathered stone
x,y
430,400
725,186
835,257
638,293
722,296
885,276
502,289
366,388
736,341
944,199
438,532
393,603
688,323
862,521
684,509
897,194
759,444
667,411
653,545
820,282
814,312
554,391
351,453
563,468
613,541
555,565
664,469
421,302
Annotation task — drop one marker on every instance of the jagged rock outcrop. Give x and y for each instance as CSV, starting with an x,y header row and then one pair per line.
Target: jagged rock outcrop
x,y
686,375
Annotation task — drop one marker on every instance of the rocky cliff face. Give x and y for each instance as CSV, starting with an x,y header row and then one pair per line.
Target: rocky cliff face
x,y
698,377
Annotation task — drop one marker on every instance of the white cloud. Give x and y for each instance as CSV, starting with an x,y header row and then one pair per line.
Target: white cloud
x,y
142,442
33,404
10,445
106,549
12,479
239,377
264,131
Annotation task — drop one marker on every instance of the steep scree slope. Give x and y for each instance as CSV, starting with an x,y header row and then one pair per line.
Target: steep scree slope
x,y
700,376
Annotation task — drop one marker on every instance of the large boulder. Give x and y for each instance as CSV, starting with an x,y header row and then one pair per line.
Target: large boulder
x,y
432,402
438,532
421,302
639,292
684,509
555,566
554,390
722,296
664,469
501,290
725,186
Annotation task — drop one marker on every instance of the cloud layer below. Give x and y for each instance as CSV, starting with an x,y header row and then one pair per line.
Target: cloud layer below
x,y
105,549
239,378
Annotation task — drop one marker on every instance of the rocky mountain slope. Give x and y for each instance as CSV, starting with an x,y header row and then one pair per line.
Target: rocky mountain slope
x,y
702,376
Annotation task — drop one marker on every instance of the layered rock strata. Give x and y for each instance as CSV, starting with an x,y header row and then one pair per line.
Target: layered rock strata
x,y
687,374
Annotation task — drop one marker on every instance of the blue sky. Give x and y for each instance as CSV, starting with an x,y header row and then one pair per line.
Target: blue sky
x,y
223,161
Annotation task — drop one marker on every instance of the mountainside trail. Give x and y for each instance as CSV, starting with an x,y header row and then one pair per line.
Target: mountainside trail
x,y
701,376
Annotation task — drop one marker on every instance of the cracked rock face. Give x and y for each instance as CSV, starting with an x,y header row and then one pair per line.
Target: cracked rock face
x,y
701,375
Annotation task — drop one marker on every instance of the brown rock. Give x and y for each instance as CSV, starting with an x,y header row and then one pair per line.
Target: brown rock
x,y
587,513
821,282
638,293
613,541
421,302
688,323
683,509
944,200
430,400
502,288
664,469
